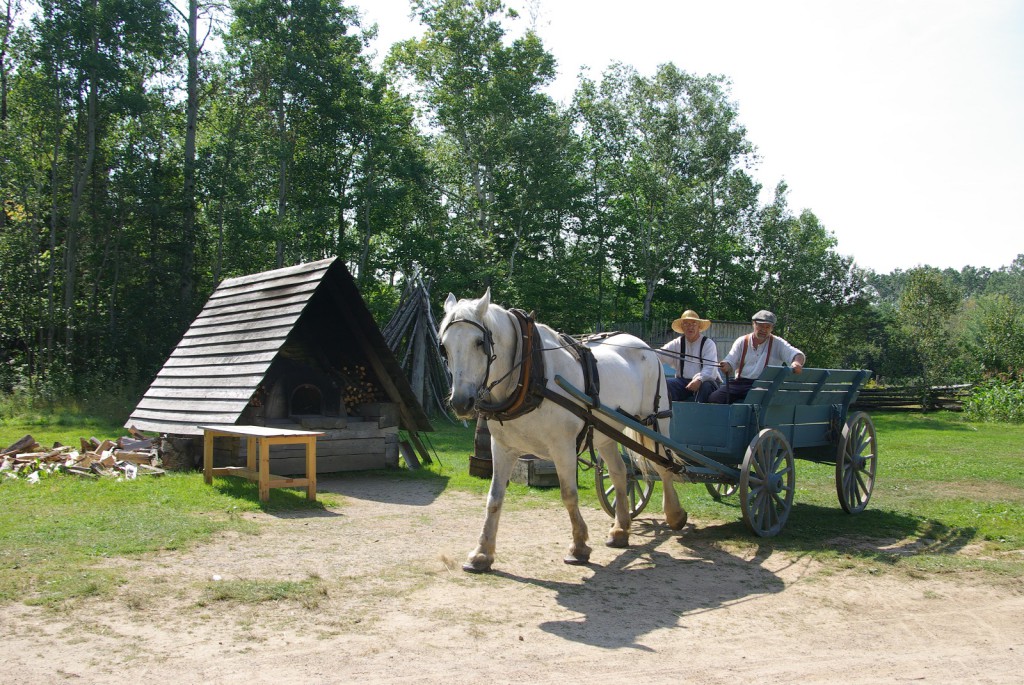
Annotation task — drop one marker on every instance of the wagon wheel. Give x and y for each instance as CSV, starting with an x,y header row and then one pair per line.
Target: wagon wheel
x,y
638,486
767,482
856,459
720,490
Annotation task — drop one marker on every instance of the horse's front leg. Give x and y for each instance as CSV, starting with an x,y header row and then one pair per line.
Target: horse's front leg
x,y
502,460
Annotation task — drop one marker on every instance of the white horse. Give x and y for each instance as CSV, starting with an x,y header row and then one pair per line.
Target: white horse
x,y
482,344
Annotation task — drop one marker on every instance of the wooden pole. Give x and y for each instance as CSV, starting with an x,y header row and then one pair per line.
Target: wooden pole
x,y
419,360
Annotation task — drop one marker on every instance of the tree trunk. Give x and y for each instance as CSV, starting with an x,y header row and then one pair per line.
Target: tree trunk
x,y
8,31
419,360
51,296
77,198
282,183
364,256
189,167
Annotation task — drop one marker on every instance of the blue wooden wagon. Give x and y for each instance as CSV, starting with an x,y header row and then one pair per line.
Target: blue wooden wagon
x,y
750,447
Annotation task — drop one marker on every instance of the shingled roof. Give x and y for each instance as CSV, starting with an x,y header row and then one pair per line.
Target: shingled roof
x,y
226,352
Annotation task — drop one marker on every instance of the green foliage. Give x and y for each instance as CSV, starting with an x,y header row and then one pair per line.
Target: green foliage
x,y
928,308
997,400
668,156
995,326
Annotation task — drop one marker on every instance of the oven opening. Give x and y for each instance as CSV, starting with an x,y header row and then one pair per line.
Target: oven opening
x,y
307,399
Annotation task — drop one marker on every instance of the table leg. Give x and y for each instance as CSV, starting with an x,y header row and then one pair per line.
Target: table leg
x,y
208,457
264,448
311,469
250,454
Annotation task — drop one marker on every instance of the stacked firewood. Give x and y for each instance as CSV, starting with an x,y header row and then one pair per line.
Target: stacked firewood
x,y
359,389
127,457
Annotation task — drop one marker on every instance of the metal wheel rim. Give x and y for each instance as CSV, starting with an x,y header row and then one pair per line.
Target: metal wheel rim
x,y
856,461
720,490
638,487
767,483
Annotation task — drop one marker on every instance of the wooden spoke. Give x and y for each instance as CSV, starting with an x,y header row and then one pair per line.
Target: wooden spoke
x,y
639,487
856,460
720,490
767,483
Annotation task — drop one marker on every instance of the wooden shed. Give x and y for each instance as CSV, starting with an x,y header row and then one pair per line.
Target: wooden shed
x,y
291,348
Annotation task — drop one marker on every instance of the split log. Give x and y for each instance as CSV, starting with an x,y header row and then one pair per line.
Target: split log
x,y
27,443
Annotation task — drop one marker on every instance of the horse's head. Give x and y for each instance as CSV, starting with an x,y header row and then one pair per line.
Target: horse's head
x,y
468,347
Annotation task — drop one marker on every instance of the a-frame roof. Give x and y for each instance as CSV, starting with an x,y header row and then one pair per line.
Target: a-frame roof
x,y
226,352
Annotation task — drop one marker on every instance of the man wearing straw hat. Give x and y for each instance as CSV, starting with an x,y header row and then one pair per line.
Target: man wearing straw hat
x,y
694,358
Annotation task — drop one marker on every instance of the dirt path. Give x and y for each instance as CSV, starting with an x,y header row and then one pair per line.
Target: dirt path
x,y
390,605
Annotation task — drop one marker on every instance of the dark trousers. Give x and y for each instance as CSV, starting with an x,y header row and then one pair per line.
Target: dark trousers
x,y
677,391
733,391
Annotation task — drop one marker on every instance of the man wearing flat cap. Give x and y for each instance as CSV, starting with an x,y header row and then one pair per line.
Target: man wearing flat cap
x,y
694,357
751,354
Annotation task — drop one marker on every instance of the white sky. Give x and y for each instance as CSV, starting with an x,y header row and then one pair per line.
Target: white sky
x,y
899,123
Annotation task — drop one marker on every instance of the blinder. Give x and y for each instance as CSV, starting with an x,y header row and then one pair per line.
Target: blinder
x,y
488,340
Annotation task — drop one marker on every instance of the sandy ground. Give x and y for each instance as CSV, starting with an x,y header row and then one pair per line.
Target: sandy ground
x,y
392,606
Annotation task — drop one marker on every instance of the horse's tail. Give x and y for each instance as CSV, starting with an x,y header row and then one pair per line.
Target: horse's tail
x,y
642,463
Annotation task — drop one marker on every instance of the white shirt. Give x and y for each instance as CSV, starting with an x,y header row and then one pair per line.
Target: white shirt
x,y
754,363
690,366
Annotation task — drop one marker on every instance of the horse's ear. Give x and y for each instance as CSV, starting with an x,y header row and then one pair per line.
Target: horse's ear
x,y
449,303
484,302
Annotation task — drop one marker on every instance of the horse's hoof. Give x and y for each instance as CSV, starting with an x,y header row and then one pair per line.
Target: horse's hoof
x,y
678,522
577,560
618,542
470,567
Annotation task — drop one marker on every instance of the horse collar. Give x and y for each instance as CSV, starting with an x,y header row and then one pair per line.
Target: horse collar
x,y
529,389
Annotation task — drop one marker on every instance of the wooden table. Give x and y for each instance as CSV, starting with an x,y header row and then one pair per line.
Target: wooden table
x,y
258,441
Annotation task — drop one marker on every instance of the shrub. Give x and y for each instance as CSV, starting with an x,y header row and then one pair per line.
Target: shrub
x,y
997,400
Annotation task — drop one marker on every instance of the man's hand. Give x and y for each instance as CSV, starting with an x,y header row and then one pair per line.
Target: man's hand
x,y
694,385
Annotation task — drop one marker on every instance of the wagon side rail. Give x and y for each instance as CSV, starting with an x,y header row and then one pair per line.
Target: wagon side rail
x,y
809,408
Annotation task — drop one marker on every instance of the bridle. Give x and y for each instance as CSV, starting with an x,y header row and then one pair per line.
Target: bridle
x,y
488,350
527,359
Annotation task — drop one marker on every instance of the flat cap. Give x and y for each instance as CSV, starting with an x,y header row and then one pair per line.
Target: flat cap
x,y
764,316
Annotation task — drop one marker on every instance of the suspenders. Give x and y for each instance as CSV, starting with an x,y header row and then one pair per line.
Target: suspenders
x,y
743,355
700,354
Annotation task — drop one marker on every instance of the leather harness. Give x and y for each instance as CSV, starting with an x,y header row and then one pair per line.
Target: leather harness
x,y
528,393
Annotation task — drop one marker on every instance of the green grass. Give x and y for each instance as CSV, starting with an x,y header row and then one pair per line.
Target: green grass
x,y
943,484
64,428
307,592
53,533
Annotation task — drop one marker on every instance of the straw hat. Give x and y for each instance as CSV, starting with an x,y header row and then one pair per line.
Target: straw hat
x,y
690,315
